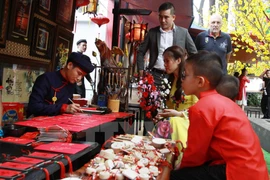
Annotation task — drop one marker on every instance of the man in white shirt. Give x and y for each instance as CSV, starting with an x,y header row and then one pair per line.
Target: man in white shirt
x,y
160,38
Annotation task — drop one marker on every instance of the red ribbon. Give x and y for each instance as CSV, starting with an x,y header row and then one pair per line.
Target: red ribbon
x,y
109,140
69,137
166,163
25,151
62,169
22,177
47,174
69,163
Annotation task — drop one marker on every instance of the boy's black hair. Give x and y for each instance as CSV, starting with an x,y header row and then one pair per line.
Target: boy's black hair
x,y
236,74
228,86
165,6
207,64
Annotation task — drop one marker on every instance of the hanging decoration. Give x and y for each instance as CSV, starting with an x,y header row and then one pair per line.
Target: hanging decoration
x,y
100,20
136,34
91,7
80,3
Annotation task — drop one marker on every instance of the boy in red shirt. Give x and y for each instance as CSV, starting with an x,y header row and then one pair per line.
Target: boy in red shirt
x,y
221,142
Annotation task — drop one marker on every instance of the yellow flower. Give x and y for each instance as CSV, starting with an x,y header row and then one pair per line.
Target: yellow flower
x,y
94,53
119,64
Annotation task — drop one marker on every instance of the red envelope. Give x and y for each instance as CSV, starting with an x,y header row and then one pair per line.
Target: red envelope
x,y
8,173
16,140
28,160
66,148
15,165
43,155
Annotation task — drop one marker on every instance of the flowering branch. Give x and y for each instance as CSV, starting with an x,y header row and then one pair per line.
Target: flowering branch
x,y
151,97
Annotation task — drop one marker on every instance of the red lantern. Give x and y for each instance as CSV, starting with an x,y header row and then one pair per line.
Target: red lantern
x,y
80,3
100,20
138,32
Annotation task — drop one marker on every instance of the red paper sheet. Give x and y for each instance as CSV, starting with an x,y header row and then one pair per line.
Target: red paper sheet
x,y
15,165
43,155
28,160
16,140
66,148
73,122
8,173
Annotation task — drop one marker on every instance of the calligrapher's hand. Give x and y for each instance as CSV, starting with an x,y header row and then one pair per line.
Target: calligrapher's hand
x,y
170,113
73,108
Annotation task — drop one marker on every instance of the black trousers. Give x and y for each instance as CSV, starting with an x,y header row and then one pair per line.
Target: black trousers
x,y
204,172
265,106
158,77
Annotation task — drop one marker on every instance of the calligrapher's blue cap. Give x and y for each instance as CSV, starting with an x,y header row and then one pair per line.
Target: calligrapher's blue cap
x,y
82,61
81,40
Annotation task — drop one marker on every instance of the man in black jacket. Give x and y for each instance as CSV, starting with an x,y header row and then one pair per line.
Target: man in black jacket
x,y
80,86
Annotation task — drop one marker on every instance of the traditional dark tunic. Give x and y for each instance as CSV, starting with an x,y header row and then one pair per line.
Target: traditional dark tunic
x,y
50,92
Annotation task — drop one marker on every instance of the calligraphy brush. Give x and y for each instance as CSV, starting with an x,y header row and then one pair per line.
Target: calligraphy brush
x,y
74,103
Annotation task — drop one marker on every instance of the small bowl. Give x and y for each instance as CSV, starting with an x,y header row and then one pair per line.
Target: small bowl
x,y
117,146
81,101
13,130
158,142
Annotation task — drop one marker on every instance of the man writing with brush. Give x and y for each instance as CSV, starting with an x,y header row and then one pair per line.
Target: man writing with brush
x,y
52,90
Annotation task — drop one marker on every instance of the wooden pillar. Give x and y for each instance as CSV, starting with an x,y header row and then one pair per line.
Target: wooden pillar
x,y
116,21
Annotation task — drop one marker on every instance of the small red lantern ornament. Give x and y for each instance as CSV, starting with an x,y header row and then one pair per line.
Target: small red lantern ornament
x,y
80,3
100,20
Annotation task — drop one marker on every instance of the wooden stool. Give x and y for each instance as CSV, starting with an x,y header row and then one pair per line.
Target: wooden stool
x,y
256,112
